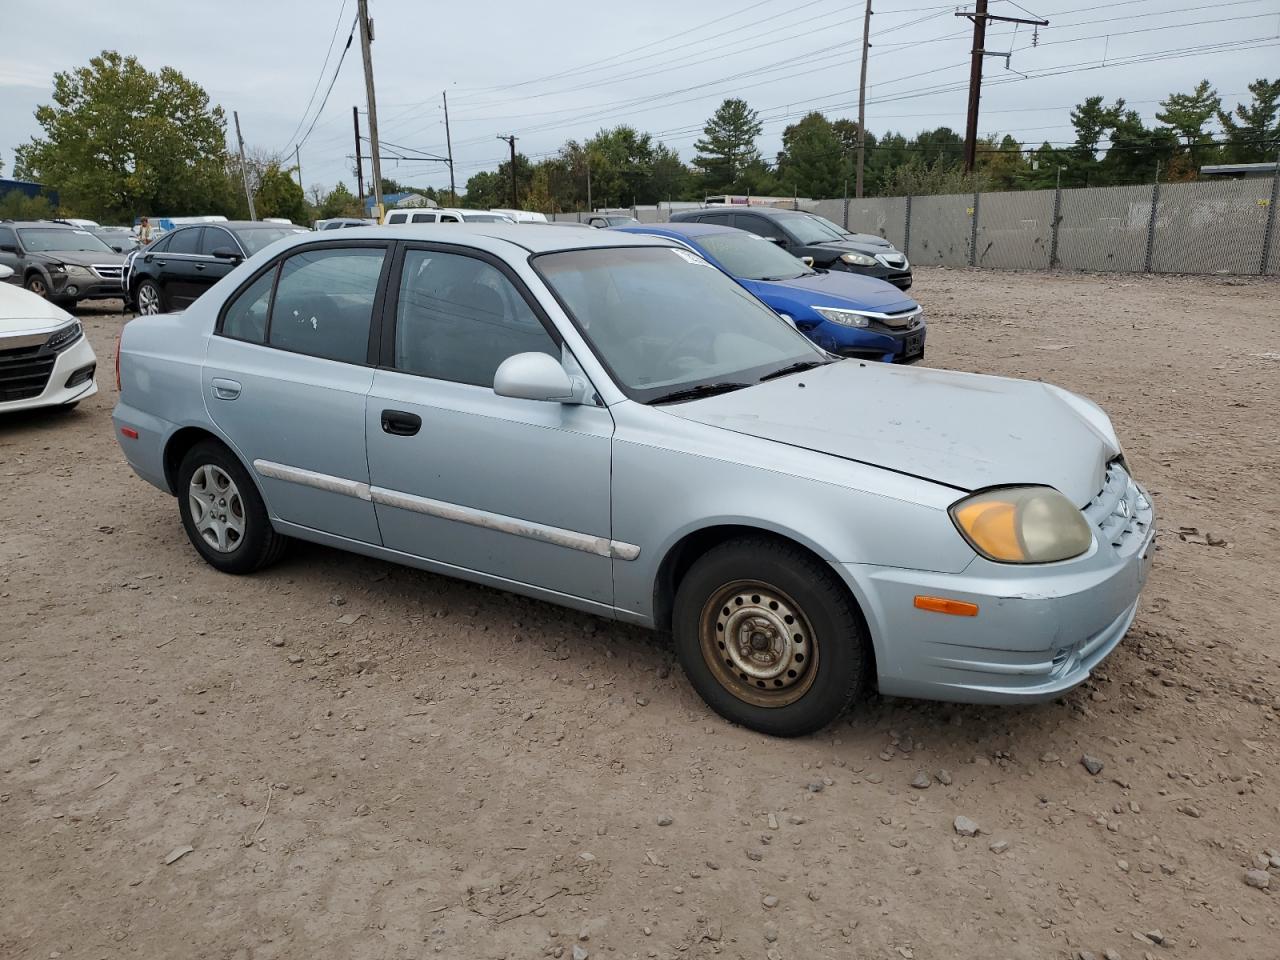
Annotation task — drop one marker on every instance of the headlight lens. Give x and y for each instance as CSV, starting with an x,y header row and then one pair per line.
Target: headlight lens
x,y
65,337
858,259
1023,525
849,318
77,271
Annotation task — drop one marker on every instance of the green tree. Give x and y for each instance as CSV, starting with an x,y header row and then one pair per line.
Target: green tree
x,y
119,140
1002,165
729,145
918,177
1092,121
1253,131
340,202
814,161
1187,113
1136,149
279,195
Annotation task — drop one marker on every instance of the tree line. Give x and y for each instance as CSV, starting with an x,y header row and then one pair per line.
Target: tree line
x,y
120,141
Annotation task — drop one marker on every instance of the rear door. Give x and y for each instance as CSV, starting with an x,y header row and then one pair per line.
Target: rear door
x,y
514,489
176,268
9,255
285,378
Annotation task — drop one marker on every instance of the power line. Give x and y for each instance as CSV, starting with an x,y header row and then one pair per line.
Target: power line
x,y
320,76
332,80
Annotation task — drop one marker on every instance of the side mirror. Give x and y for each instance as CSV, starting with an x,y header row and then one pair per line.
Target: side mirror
x,y
226,253
780,241
534,376
5,272
807,261
118,248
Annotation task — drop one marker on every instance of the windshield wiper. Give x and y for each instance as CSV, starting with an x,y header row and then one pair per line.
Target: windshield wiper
x,y
776,279
794,368
701,390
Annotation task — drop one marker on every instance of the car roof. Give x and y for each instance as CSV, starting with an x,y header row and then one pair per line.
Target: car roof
x,y
51,224
679,229
744,208
494,237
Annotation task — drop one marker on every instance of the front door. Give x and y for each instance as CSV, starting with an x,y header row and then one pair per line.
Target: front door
x,y
285,379
510,488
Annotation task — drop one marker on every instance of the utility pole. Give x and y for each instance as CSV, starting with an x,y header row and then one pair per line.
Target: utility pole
x,y
862,101
355,120
297,159
366,37
980,19
590,208
448,140
511,142
244,170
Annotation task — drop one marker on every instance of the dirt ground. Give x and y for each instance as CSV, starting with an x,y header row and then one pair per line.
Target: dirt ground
x,y
467,774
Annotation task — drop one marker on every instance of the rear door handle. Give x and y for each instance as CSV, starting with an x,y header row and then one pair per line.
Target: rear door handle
x,y
225,389
400,424
199,266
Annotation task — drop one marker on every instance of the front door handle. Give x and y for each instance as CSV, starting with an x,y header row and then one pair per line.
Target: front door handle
x,y
225,389
400,424
199,266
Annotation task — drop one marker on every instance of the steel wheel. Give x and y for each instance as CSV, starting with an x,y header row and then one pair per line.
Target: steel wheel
x,y
148,299
217,511
758,643
37,286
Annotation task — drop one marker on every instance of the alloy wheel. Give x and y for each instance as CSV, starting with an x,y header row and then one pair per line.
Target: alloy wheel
x,y
148,300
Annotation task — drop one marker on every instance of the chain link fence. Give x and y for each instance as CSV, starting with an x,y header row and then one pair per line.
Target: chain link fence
x,y
1207,227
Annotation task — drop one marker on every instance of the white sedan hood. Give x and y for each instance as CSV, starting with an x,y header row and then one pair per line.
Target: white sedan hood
x,y
23,312
960,429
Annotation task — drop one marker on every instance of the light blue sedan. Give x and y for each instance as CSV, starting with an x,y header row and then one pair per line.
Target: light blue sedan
x,y
609,422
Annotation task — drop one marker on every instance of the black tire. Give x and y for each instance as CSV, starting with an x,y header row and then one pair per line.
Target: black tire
x,y
833,637
259,545
38,285
156,293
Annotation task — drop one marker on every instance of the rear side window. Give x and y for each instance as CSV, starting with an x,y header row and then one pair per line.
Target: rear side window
x,y
246,318
398,218
186,241
324,303
424,218
458,318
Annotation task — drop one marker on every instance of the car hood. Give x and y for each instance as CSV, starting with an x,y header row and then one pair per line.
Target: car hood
x,y
836,288
963,430
84,258
23,312
855,246
870,240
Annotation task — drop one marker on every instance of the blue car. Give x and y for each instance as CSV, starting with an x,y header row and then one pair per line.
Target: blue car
x,y
845,313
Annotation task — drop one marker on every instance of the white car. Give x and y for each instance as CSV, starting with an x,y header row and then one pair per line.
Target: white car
x,y
442,215
45,358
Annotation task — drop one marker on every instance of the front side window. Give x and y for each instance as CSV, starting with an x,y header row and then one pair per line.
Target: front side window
x,y
812,230
7,237
663,320
324,303
246,317
750,257
458,318
60,240
161,245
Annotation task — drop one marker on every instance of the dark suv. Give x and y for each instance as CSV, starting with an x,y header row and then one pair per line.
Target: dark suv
x,y
184,263
60,263
804,235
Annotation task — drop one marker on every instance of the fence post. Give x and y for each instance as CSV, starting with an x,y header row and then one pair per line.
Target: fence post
x,y
1269,236
973,232
906,231
1151,224
846,204
1057,219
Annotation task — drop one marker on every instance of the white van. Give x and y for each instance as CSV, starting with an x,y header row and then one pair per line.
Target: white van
x,y
522,216
442,215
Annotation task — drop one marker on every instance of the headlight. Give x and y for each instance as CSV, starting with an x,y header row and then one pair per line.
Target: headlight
x,y
850,318
1023,525
858,259
76,271
65,337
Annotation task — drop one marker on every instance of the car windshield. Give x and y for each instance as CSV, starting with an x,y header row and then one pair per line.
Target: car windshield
x,y
749,257
664,321
829,224
809,229
259,237
61,239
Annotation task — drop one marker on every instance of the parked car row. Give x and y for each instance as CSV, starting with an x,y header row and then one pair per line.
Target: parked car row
x,y
609,421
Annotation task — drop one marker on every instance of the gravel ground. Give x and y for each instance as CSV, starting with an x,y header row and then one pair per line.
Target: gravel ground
x,y
365,761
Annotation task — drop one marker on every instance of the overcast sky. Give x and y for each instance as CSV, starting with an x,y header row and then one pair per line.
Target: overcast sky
x,y
556,70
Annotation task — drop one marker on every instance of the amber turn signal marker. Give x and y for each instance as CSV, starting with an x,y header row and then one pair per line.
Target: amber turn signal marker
x,y
957,608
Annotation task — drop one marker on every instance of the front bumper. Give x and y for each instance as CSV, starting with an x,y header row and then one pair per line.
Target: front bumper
x,y
70,379
876,342
65,286
1039,632
901,279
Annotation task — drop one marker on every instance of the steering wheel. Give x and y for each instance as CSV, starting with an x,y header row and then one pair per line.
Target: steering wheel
x,y
673,351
